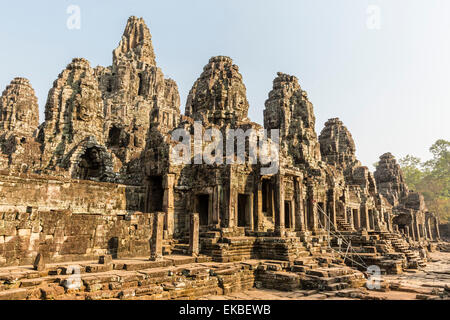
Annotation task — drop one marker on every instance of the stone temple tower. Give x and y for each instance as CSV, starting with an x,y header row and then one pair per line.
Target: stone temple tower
x,y
19,119
289,110
219,95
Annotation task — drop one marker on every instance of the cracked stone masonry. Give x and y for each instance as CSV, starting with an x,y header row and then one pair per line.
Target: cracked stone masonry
x,y
94,186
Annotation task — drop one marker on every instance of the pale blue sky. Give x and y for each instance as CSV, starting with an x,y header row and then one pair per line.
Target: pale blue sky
x,y
391,87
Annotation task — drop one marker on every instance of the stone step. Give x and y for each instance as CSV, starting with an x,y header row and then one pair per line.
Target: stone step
x,y
14,294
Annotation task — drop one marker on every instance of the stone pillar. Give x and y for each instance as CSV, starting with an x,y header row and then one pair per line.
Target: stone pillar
x,y
424,230
259,206
332,209
299,210
157,237
357,219
312,208
279,219
272,203
365,217
351,219
232,201
428,227
416,228
194,229
436,225
388,221
413,233
216,205
292,214
168,205
396,228
407,232
250,218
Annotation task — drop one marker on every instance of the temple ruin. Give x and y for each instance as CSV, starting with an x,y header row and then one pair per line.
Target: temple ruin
x,y
96,181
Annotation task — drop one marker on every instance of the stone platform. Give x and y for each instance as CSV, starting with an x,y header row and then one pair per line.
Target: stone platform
x,y
173,277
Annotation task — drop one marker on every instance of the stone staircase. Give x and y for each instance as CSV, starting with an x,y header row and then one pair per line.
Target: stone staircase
x,y
181,246
401,245
307,273
343,225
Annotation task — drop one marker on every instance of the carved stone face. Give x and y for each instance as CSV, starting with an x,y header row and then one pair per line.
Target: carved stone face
x,y
85,107
22,113
94,155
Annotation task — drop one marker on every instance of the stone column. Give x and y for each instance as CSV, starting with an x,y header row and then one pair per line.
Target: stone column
x,y
157,237
250,218
194,229
365,217
423,228
412,229
407,232
231,201
388,221
292,214
424,231
279,209
351,219
427,228
259,206
373,218
272,203
436,225
168,205
216,205
312,208
357,218
396,228
332,209
299,210
416,228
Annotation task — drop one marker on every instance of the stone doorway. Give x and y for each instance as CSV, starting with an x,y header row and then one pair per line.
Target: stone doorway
x,y
243,209
114,137
202,208
265,196
113,247
155,194
288,214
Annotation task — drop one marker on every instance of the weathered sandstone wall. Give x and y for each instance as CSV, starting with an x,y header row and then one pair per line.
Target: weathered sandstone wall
x,y
69,220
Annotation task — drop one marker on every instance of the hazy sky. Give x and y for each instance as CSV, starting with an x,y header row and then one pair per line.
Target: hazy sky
x,y
390,86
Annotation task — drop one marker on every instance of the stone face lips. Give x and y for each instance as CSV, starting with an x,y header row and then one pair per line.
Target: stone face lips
x,y
19,110
219,95
289,110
